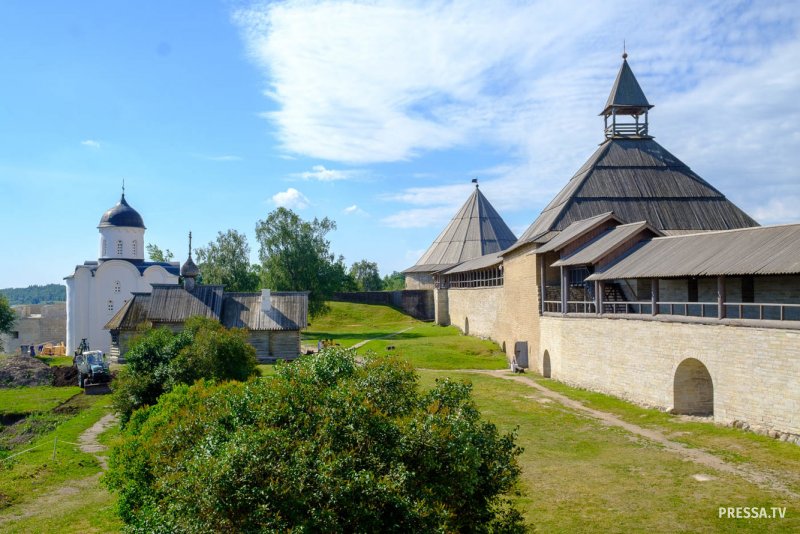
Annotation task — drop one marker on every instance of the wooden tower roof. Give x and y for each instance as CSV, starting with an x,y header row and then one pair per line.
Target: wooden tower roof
x,y
476,230
637,179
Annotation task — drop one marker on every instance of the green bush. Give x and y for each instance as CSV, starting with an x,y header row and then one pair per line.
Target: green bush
x,y
159,360
326,445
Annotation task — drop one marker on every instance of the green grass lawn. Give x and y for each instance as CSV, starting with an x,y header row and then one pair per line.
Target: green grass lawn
x,y
33,399
730,444
430,346
425,345
54,361
71,497
579,475
347,323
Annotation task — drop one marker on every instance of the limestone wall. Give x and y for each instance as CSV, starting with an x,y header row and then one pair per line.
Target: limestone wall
x,y
475,310
419,281
36,324
518,317
755,372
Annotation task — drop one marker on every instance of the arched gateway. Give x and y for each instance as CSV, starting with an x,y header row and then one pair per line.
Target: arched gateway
x,y
693,389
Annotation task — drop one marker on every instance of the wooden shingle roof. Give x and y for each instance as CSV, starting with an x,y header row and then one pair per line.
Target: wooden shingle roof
x,y
172,304
288,311
476,230
639,180
626,92
749,251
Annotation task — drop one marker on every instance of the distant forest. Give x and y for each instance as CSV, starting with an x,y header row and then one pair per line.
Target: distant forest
x,y
35,294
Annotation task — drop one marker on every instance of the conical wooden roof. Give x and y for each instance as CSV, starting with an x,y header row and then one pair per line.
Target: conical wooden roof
x,y
476,230
638,180
626,93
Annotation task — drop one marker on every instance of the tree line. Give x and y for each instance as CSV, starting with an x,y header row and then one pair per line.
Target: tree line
x,y
294,255
35,294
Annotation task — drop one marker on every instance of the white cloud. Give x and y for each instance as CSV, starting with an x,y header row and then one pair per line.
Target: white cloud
x,y
321,174
291,198
91,143
778,210
354,210
382,82
420,218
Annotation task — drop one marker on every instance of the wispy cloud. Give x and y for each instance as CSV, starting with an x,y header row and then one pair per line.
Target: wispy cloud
x,y
291,198
91,143
321,174
354,210
435,217
364,82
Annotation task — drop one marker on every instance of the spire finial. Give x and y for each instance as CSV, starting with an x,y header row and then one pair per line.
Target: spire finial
x,y
475,181
123,188
190,243
624,51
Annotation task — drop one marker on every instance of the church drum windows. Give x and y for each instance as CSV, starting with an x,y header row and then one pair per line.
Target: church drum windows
x,y
119,247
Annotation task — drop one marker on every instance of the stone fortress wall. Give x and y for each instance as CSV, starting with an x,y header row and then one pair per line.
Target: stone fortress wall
x,y
753,370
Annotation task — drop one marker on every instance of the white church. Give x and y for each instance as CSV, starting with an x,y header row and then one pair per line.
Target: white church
x,y
98,289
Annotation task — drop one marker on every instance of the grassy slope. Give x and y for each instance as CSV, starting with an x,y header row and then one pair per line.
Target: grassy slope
x,y
423,344
34,475
579,475
347,324
34,399
440,347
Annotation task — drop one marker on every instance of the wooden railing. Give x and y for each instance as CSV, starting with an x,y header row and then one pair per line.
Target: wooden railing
x,y
707,310
626,129
762,311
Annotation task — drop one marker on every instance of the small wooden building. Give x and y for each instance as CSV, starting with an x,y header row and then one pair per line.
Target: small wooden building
x,y
273,319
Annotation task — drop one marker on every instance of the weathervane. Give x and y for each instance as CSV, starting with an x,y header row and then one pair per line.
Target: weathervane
x,y
475,181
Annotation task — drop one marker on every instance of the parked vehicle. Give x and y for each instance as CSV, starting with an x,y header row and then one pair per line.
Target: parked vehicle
x,y
93,370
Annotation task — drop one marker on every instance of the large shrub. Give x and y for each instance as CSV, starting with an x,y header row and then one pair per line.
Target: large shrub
x,y
159,360
327,445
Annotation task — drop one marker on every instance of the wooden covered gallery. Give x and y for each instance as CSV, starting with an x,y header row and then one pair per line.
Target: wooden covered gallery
x,y
601,266
273,319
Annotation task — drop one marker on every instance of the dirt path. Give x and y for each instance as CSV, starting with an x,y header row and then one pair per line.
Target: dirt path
x,y
757,477
88,443
88,439
362,343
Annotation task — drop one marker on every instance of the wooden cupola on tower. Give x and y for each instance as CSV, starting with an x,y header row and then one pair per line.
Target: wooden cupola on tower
x,y
627,107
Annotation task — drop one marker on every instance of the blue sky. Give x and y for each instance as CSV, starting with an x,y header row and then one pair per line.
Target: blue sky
x,y
375,114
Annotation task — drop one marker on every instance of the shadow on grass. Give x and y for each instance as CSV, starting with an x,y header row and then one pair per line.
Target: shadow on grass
x,y
365,336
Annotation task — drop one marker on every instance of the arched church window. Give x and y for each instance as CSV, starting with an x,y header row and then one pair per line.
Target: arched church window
x,y
133,247
119,247
117,286
110,305
105,248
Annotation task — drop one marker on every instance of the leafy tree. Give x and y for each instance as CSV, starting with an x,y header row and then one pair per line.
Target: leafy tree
x,y
159,360
296,256
7,318
156,254
327,445
394,281
366,275
35,294
226,262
